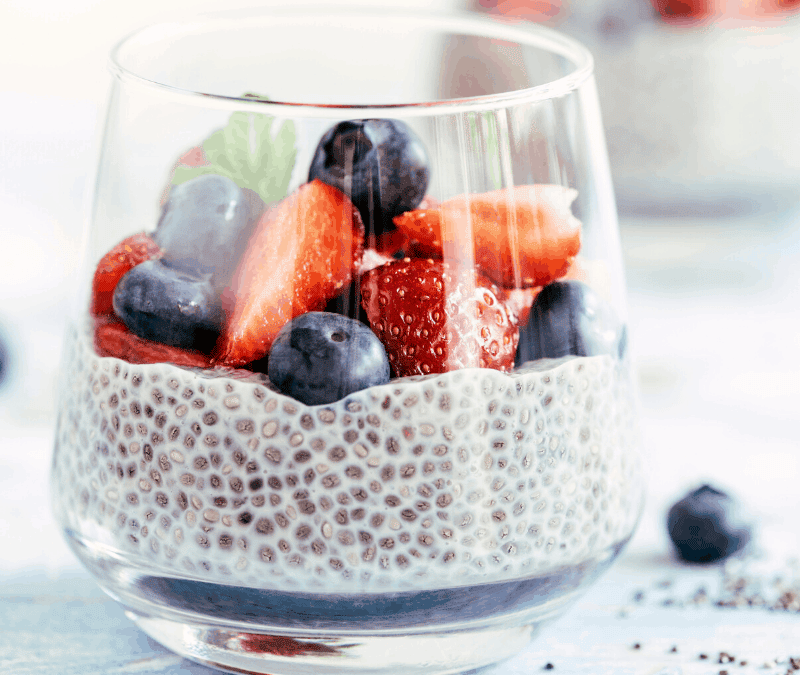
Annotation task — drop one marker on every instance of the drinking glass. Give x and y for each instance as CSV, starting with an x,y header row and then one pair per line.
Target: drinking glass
x,y
347,386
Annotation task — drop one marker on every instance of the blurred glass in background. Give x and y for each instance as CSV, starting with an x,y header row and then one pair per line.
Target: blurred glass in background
x,y
699,97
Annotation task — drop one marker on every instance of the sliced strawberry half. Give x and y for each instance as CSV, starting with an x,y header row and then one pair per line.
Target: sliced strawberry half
x,y
112,338
301,255
521,237
124,256
432,318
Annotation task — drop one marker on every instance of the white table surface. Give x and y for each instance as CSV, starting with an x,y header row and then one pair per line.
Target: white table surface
x,y
715,318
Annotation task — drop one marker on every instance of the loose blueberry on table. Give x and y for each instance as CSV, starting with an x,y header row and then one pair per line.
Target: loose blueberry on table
x,y
708,525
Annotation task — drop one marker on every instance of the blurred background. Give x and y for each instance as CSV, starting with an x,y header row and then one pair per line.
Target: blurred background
x,y
701,102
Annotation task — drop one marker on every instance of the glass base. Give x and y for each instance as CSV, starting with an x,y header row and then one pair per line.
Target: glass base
x,y
441,653
447,631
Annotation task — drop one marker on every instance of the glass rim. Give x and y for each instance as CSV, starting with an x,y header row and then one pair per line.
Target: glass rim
x,y
520,32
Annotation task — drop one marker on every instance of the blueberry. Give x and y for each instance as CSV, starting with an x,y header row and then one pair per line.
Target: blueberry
x,y
161,303
707,525
380,164
320,357
205,225
5,358
569,319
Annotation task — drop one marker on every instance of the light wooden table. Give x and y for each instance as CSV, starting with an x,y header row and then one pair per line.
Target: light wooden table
x,y
715,311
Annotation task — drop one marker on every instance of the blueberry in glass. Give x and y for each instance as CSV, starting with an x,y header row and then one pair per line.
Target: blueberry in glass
x,y
380,163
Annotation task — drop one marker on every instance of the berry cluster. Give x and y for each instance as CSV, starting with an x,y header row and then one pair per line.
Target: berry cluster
x,y
353,277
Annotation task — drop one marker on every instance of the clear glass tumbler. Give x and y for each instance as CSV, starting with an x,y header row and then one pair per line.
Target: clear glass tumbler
x,y
347,388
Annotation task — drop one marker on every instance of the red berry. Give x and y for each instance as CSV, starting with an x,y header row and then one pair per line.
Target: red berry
x,y
522,237
681,11
519,301
281,645
302,254
124,256
195,156
432,318
112,338
390,243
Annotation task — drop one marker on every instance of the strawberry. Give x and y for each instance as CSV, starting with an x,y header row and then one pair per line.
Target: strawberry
x,y
684,11
193,157
301,255
522,237
390,243
112,338
519,301
114,264
394,241
281,645
433,318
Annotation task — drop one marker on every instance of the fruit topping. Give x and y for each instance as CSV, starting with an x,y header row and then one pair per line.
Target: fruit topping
x,y
433,318
193,157
320,357
176,308
112,338
254,150
568,318
381,164
114,264
708,525
522,237
519,301
204,227
302,254
281,645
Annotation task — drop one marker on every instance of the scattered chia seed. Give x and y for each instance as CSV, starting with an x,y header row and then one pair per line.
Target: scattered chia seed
x,y
548,666
740,585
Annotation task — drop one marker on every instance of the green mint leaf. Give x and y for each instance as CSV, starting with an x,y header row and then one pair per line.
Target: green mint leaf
x,y
255,150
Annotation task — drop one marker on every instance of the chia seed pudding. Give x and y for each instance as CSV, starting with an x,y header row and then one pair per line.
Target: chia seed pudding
x,y
456,479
